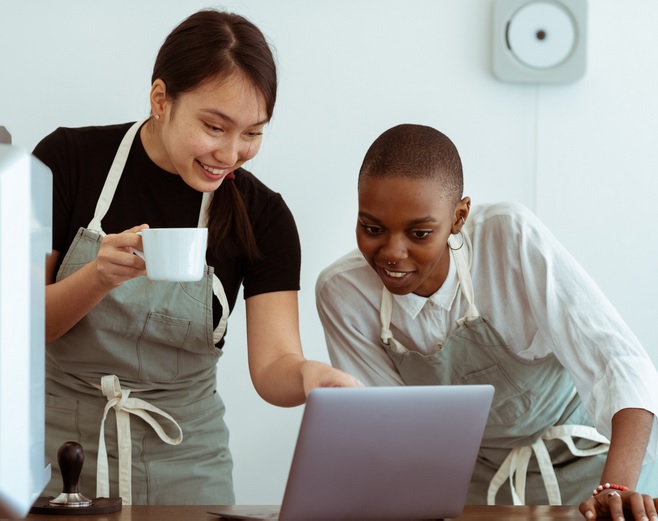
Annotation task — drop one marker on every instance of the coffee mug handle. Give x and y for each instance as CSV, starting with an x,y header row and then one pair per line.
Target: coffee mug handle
x,y
139,253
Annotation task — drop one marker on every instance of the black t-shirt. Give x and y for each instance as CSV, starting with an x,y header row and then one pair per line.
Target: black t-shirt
x,y
80,159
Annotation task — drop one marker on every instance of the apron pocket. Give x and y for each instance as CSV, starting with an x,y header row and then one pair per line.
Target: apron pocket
x,y
158,346
509,404
61,421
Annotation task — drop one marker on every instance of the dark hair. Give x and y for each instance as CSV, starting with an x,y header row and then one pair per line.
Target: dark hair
x,y
211,45
416,152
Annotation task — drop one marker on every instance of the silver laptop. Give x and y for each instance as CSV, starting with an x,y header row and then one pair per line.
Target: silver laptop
x,y
382,453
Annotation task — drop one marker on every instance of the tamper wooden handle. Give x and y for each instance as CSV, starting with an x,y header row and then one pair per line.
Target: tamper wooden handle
x,y
70,457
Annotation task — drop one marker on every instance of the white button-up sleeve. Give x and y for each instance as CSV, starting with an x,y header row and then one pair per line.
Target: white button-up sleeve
x,y
553,306
348,308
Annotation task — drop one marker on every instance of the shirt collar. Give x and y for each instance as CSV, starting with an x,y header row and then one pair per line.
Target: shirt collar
x,y
443,298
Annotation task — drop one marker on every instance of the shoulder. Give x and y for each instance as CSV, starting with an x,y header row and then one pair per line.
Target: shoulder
x,y
346,273
501,213
348,293
81,136
505,218
66,143
261,201
510,232
252,188
277,238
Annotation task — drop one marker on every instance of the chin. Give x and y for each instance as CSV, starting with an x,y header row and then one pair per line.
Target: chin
x,y
206,185
397,289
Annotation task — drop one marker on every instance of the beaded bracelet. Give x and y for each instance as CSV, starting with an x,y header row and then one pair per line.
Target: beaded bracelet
x,y
605,486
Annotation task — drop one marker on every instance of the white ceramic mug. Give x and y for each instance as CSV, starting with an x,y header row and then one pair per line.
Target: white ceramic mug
x,y
174,254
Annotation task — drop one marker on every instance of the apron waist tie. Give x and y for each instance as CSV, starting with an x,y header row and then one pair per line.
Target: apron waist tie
x,y
120,400
515,466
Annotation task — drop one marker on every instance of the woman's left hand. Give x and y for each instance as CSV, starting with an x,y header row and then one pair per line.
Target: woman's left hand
x,y
317,374
611,504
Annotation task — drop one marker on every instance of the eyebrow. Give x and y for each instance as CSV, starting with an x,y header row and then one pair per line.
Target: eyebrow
x,y
413,222
228,118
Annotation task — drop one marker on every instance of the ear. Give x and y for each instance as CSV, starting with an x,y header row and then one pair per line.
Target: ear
x,y
158,98
462,210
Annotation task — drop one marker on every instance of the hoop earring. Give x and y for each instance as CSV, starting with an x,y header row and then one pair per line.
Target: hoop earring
x,y
450,239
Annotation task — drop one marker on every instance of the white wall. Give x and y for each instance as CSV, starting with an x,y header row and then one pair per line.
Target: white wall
x,y
582,155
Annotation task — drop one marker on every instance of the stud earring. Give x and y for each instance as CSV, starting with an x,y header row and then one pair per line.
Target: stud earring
x,y
157,116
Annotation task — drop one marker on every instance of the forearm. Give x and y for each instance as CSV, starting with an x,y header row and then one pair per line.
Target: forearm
x,y
630,434
281,382
280,373
274,346
70,299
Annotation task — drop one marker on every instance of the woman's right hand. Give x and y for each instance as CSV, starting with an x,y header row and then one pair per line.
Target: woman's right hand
x,y
116,262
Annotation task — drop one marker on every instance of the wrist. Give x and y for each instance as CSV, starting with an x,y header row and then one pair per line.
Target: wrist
x,y
609,486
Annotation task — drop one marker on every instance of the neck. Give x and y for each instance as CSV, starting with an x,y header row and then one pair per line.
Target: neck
x,y
151,136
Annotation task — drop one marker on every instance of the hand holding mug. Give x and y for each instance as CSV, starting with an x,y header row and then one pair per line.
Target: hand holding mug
x,y
115,262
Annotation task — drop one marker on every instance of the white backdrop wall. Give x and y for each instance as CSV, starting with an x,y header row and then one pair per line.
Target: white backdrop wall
x,y
582,155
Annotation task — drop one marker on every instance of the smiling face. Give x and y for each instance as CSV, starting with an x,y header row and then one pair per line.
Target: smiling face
x,y
403,229
207,133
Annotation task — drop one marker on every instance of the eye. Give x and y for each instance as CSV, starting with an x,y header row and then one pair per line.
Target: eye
x,y
421,234
255,133
213,128
371,229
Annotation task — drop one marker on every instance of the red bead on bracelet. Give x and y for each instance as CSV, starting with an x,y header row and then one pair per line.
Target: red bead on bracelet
x,y
605,486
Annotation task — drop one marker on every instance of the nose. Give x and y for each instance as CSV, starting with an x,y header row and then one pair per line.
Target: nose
x,y
228,152
393,250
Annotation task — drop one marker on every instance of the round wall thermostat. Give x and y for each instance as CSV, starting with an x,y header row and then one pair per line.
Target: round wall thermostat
x,y
539,40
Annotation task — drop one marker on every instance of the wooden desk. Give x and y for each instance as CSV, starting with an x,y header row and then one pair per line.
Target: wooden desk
x,y
200,513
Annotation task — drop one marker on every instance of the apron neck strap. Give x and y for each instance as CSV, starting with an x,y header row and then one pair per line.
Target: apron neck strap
x,y
203,214
385,312
464,274
113,176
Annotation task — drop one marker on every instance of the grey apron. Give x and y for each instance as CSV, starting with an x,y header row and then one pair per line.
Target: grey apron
x,y
146,352
535,409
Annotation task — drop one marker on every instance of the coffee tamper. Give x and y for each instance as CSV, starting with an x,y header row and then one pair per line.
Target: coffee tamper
x,y
70,457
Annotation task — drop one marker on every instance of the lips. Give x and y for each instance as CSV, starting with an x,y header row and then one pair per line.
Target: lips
x,y
214,173
393,280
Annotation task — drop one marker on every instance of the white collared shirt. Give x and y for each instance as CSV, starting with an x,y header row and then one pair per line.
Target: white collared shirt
x,y
535,294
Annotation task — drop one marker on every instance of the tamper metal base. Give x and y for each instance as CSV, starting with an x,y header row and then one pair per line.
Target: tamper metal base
x,y
101,505
70,499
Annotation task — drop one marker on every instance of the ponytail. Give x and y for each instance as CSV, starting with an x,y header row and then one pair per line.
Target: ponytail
x,y
229,226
